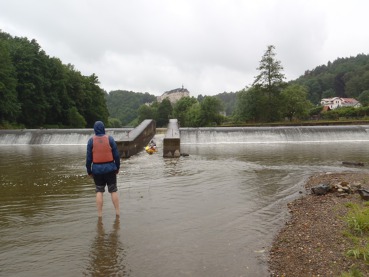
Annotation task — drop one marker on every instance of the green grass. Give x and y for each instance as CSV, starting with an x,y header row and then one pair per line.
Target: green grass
x,y
352,273
359,253
358,232
358,219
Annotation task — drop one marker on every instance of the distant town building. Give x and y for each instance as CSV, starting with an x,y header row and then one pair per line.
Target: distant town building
x,y
174,95
338,102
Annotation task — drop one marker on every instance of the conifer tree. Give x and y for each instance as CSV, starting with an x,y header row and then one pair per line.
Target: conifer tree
x,y
270,82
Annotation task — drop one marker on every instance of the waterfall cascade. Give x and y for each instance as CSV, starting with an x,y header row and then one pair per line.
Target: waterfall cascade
x,y
198,135
274,134
55,136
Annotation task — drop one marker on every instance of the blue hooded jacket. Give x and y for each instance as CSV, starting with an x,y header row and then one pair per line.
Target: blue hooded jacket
x,y
97,169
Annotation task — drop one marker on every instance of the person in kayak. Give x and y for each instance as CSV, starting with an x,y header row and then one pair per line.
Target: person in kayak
x,y
152,145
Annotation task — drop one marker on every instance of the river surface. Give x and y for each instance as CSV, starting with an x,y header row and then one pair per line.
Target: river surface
x,y
213,213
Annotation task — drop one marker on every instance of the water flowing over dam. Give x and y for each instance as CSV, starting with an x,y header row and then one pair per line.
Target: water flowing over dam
x,y
198,135
55,136
300,134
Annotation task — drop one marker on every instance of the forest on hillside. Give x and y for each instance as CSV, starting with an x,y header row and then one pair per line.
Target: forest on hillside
x,y
37,90
123,105
344,77
40,91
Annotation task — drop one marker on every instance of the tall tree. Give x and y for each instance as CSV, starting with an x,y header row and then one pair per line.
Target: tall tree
x,y
270,81
261,102
270,77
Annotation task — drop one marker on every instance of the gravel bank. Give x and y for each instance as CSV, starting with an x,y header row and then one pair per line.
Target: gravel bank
x,y
312,242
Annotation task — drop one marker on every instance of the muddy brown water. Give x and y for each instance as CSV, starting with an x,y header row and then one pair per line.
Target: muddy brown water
x,y
213,213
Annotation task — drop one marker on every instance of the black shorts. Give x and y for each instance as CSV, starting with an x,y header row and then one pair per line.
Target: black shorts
x,y
107,179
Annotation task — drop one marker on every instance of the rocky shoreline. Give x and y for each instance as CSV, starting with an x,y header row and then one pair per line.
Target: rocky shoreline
x,y
312,242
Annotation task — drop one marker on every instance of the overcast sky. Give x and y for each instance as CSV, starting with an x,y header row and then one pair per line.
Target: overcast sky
x,y
208,46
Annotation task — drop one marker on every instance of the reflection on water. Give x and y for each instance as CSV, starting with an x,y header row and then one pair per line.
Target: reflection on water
x,y
107,252
213,213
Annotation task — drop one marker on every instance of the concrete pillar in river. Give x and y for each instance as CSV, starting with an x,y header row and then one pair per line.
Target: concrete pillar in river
x,y
172,140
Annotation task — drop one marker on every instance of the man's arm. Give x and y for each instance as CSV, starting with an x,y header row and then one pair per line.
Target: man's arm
x,y
89,157
115,151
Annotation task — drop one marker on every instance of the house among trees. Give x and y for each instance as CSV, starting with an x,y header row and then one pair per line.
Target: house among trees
x,y
174,95
338,102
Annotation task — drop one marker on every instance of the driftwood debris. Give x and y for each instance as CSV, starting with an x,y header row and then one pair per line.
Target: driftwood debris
x,y
353,163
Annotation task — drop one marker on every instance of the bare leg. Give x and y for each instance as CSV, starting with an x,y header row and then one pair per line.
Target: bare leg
x,y
115,200
99,203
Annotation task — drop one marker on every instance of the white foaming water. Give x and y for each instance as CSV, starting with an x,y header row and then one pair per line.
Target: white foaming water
x,y
55,136
219,135
274,134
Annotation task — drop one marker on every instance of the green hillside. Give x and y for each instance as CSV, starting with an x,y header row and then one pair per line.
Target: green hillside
x,y
123,105
344,77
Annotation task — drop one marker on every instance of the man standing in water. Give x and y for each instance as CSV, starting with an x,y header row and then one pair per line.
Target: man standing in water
x,y
103,163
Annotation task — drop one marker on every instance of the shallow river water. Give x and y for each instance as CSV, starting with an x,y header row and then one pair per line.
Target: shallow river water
x,y
213,213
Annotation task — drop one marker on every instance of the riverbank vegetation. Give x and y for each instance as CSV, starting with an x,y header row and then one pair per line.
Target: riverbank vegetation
x,y
39,91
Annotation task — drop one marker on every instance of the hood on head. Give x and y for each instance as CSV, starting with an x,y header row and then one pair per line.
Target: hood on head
x,y
99,128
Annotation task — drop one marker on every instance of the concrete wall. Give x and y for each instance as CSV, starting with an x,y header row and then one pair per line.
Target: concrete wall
x,y
137,139
172,140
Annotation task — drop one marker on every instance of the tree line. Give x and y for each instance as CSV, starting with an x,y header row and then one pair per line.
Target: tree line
x,y
37,90
40,91
128,108
269,99
344,77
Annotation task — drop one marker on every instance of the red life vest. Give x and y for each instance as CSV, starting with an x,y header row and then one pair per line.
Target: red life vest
x,y
101,150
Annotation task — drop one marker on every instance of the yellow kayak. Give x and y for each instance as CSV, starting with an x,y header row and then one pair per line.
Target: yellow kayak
x,y
150,150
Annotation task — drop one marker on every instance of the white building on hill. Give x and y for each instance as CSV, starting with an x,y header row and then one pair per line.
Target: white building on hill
x,y
174,95
337,102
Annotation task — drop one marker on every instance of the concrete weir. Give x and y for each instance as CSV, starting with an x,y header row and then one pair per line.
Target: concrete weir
x,y
137,139
172,141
